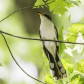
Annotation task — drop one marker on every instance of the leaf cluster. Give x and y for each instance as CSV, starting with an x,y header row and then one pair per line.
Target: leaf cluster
x,y
75,74
0,64
57,6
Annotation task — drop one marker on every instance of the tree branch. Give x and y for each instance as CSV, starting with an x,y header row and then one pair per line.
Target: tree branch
x,y
18,63
24,8
41,39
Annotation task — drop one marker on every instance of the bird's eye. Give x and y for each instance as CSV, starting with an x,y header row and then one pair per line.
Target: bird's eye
x,y
48,16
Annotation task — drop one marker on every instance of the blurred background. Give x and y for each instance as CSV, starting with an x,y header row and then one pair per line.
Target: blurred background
x,y
28,53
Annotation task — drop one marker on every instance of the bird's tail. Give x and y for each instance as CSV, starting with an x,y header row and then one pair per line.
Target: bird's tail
x,y
56,67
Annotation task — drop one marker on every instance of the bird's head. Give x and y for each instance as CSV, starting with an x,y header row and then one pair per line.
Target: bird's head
x,y
44,17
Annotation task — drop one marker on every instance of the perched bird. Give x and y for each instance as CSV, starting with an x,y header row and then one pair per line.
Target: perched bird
x,y
51,49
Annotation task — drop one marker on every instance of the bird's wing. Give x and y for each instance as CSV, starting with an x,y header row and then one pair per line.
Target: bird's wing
x,y
57,44
57,69
58,61
56,31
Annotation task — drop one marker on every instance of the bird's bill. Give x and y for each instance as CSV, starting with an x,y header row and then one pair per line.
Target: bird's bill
x,y
40,13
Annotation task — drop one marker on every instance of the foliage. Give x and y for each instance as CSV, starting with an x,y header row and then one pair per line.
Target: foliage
x,y
38,3
74,31
0,64
76,35
75,73
74,76
57,6
62,46
80,66
49,79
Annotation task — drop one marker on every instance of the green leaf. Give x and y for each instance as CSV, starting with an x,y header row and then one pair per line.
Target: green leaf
x,y
0,64
59,82
77,47
39,2
80,66
76,35
74,30
51,6
46,66
74,2
49,79
82,79
62,46
74,76
60,7
67,65
69,17
75,79
57,6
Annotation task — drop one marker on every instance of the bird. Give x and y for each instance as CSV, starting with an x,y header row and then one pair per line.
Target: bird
x,y
48,31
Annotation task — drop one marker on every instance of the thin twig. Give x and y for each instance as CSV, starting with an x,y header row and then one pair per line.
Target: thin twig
x,y
24,8
18,63
41,39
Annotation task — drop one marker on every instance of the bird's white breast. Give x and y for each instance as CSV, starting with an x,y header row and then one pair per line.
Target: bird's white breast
x,y
48,32
47,29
